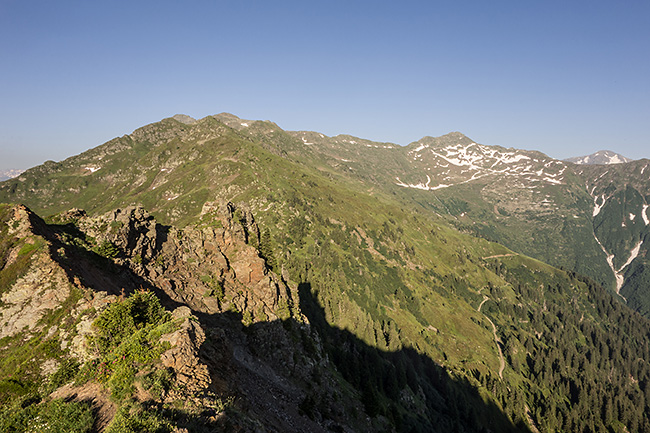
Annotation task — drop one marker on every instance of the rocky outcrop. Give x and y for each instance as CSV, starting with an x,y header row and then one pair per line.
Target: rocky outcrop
x,y
191,374
227,348
212,267
40,287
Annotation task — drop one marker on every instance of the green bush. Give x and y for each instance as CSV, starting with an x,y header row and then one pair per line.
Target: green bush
x,y
65,374
127,337
107,249
56,416
158,382
121,382
134,419
123,319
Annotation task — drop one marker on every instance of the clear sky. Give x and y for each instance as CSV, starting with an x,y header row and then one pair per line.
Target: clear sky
x,y
564,77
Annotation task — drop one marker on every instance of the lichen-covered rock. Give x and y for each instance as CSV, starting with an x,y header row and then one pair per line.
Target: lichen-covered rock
x,y
212,267
192,375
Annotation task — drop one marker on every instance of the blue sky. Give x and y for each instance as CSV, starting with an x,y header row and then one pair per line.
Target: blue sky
x,y
565,78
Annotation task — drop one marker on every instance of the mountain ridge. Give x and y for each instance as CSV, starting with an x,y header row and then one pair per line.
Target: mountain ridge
x,y
417,318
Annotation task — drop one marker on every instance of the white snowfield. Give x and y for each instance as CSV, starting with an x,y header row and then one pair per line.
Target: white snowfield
x,y
598,207
477,161
602,157
618,273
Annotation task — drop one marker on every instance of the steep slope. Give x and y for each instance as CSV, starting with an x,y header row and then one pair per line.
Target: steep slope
x,y
621,197
221,363
525,200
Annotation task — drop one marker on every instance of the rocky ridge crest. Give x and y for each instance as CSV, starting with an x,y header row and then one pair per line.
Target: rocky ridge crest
x,y
233,355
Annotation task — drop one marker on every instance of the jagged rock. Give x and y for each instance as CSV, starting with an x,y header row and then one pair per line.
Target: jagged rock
x,y
192,375
201,271
42,288
222,252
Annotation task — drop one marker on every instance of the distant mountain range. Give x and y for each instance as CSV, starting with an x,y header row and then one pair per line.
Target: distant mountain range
x,y
9,174
321,283
602,157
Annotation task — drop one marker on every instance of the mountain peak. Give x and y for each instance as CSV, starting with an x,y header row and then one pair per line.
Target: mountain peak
x,y
456,135
444,140
602,157
184,118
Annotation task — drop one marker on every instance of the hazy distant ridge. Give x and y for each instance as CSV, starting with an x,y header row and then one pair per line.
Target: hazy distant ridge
x,y
11,173
602,157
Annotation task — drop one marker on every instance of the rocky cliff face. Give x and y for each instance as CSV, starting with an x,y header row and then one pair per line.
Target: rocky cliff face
x,y
235,357
212,267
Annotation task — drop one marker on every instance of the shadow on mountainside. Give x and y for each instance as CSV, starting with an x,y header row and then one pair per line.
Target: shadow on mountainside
x,y
430,399
279,374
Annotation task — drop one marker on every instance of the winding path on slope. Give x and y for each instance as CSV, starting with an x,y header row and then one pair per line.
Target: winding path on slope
x,y
496,338
497,256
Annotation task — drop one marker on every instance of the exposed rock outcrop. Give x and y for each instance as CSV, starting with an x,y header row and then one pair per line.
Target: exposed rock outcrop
x,y
221,251
228,347
192,376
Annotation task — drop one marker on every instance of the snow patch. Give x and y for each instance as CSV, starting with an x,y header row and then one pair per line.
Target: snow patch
x,y
421,185
92,168
598,207
304,140
418,185
633,255
610,261
632,216
644,214
420,147
174,197
510,159
615,160
244,124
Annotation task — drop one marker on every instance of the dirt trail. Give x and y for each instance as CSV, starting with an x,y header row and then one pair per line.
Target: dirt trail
x,y
502,360
500,255
103,408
